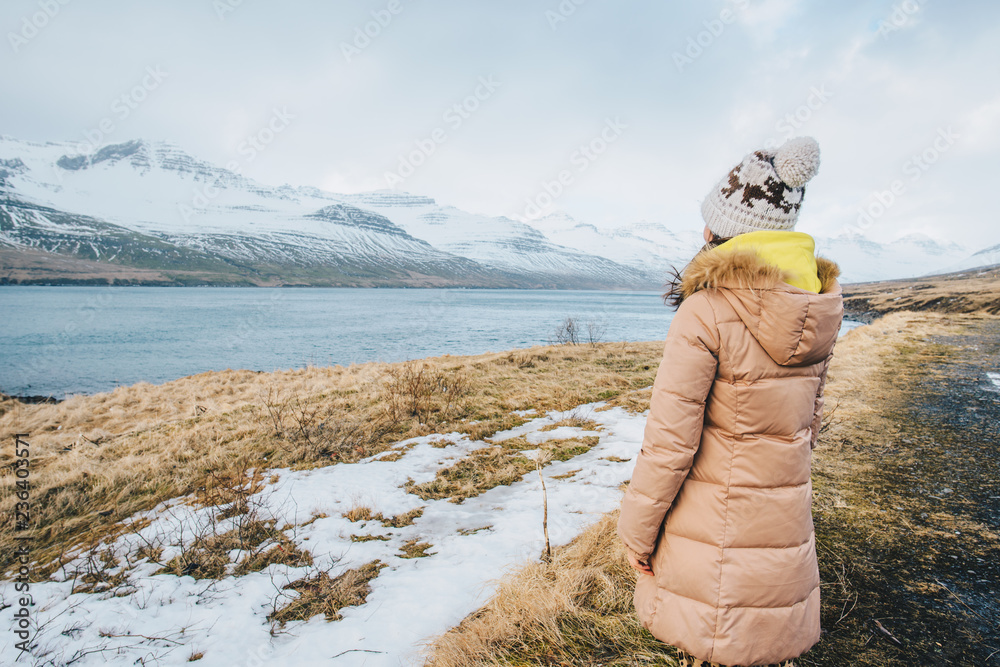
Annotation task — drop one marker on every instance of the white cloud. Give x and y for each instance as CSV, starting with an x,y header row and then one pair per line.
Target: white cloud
x,y
890,94
980,128
764,18
350,182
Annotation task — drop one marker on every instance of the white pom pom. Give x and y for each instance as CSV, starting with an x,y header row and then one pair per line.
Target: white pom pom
x,y
797,161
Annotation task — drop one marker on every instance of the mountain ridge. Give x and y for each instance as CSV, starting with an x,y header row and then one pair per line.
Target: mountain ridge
x,y
151,207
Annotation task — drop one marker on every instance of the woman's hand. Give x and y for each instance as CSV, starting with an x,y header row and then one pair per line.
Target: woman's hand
x,y
642,567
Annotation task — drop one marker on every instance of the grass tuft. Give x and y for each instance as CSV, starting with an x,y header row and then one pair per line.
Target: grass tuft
x,y
500,465
415,549
319,594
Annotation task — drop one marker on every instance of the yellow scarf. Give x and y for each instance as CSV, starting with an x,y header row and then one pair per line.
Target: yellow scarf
x,y
792,252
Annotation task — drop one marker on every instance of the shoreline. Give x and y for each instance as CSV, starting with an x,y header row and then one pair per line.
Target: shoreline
x,y
42,398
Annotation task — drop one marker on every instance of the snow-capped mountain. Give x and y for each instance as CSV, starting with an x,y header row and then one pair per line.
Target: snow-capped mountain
x,y
645,244
985,257
864,260
148,212
511,246
154,206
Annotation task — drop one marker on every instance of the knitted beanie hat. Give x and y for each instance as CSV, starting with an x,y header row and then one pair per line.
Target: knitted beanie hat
x,y
764,191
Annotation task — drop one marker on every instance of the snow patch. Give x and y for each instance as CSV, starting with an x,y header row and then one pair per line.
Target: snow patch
x,y
165,619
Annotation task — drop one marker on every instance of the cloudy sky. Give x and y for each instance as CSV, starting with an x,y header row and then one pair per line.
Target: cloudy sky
x,y
639,107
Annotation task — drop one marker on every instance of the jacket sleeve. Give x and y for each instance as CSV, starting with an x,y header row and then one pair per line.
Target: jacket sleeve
x,y
817,422
674,425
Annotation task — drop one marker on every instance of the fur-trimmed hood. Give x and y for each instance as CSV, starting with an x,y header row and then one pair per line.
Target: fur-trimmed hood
x,y
745,269
795,326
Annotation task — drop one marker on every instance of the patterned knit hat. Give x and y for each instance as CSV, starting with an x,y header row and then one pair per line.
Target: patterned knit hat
x,y
762,192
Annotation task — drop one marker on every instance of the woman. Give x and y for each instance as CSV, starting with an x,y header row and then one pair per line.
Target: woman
x,y
717,518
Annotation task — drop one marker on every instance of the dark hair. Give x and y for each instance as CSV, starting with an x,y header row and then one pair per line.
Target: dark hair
x,y
673,296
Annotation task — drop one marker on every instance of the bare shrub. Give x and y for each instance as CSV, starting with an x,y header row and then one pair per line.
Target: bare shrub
x,y
246,529
231,488
207,556
276,407
99,570
414,389
567,333
595,331
343,439
312,431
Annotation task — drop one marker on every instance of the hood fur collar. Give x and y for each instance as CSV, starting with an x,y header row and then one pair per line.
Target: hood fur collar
x,y
795,327
744,269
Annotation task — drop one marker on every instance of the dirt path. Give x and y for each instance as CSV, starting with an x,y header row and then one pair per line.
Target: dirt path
x,y
911,556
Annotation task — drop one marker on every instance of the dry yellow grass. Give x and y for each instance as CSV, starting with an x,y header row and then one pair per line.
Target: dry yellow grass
x,y
365,513
415,549
99,459
576,611
575,422
404,519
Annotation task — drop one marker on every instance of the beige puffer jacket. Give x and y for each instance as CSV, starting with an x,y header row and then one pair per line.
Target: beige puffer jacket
x,y
720,499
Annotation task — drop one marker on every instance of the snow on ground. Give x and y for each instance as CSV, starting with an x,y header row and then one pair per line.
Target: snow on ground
x,y
164,619
849,325
995,379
